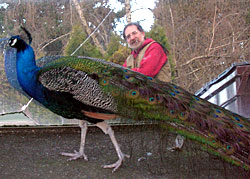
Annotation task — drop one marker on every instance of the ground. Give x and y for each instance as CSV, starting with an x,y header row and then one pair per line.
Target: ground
x,y
35,153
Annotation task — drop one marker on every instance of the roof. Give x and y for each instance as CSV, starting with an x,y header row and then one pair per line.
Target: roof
x,y
220,77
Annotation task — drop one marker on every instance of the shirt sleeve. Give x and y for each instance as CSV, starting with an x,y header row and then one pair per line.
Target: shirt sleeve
x,y
153,60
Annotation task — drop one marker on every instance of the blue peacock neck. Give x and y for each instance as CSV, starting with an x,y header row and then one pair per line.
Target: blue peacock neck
x,y
27,73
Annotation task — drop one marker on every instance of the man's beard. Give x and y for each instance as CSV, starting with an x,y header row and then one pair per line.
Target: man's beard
x,y
135,44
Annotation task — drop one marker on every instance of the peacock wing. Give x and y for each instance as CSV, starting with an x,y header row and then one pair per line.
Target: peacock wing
x,y
63,78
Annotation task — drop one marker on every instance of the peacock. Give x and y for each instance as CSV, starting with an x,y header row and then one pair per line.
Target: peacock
x,y
93,90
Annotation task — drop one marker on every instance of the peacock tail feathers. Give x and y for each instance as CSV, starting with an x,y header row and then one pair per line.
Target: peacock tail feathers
x,y
223,133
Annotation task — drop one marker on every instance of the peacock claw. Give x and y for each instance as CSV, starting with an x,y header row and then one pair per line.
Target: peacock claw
x,y
75,156
117,164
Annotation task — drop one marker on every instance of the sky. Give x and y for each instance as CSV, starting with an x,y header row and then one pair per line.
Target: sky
x,y
140,12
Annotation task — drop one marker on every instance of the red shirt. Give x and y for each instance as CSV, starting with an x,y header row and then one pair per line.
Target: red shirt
x,y
153,60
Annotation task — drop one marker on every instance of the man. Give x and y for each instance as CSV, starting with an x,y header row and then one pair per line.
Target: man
x,y
148,56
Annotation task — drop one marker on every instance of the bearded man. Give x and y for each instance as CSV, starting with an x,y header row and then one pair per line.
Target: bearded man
x,y
148,56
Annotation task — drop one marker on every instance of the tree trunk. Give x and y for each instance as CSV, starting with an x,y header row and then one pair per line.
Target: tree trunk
x,y
128,10
88,30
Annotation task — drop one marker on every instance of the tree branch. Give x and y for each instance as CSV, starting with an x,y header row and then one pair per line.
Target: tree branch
x,y
88,30
51,41
213,30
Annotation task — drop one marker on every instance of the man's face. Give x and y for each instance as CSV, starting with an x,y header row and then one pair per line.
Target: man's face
x,y
134,37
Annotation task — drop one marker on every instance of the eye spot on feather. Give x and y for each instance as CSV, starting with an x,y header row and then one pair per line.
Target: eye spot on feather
x,y
106,71
240,125
149,78
236,118
172,93
175,87
171,113
216,116
129,78
229,149
152,100
133,94
197,99
104,82
183,115
176,91
125,71
217,111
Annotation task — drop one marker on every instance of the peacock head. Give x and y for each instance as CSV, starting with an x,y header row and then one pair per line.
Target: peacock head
x,y
17,42
13,41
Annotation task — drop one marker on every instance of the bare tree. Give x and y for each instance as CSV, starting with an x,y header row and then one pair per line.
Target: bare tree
x,y
206,37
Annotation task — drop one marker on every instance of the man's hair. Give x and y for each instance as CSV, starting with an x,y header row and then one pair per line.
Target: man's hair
x,y
139,27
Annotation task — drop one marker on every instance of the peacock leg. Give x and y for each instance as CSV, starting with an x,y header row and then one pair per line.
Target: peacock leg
x,y
108,130
73,156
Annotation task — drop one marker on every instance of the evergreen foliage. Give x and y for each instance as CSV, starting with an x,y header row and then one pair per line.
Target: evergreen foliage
x,y
120,55
77,37
116,51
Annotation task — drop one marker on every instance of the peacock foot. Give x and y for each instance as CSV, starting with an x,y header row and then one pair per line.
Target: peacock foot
x,y
117,164
75,156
